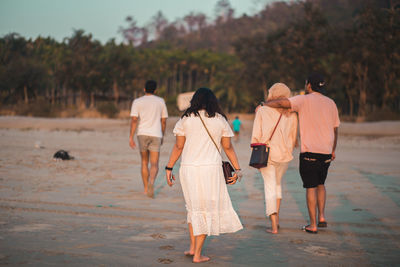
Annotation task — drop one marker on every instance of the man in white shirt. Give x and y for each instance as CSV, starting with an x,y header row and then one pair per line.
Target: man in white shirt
x,y
149,116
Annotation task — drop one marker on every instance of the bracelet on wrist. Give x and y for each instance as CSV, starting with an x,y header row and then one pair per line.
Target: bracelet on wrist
x,y
168,168
239,174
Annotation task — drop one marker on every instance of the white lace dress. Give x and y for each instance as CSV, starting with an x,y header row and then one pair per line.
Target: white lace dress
x,y
208,205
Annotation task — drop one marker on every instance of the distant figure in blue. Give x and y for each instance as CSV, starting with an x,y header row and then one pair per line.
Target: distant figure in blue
x,y
236,124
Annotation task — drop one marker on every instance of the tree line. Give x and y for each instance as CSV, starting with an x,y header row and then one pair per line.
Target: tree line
x,y
354,43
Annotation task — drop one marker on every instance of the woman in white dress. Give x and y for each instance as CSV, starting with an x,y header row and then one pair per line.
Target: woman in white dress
x,y
281,148
208,205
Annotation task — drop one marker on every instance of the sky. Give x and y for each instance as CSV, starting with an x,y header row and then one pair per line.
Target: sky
x,y
101,18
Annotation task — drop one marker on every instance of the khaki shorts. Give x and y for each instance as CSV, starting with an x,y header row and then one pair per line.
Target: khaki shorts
x,y
150,143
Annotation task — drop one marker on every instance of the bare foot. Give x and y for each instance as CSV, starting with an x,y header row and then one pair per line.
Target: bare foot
x,y
201,259
188,253
272,231
150,190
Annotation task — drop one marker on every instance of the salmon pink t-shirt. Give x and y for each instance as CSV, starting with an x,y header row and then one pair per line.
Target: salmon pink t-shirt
x,y
318,116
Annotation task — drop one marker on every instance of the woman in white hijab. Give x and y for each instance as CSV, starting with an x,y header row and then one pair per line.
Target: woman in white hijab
x,y
281,147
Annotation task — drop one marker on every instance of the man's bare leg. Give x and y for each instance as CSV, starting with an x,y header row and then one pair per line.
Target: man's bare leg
x,y
190,252
312,208
198,245
145,169
154,156
321,199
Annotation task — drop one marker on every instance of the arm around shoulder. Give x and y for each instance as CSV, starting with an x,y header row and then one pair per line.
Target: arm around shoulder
x,y
279,103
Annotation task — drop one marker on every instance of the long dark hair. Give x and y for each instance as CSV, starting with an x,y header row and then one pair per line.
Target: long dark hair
x,y
205,99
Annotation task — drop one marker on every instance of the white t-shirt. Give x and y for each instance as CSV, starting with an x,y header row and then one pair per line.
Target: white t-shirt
x,y
149,109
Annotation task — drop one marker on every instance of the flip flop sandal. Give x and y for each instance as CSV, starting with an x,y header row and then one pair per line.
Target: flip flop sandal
x,y
322,224
308,230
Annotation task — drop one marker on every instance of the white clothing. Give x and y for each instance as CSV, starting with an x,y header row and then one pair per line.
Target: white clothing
x,y
199,149
272,175
284,138
149,109
208,205
281,148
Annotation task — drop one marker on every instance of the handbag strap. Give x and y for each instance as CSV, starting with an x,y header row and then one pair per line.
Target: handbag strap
x,y
210,135
275,128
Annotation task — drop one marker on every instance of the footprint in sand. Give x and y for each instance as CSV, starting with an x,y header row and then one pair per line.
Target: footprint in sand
x,y
31,227
158,236
165,260
86,246
297,241
167,247
318,251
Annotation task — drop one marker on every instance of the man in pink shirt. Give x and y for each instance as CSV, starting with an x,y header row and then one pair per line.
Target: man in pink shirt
x,y
319,122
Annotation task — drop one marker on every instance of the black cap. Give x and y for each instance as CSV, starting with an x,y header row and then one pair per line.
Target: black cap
x,y
317,82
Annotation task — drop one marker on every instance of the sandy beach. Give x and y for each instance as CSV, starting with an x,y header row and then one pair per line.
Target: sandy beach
x,y
91,211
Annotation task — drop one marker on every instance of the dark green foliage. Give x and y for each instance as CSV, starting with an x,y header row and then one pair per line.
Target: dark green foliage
x,y
354,43
380,115
358,53
171,107
38,108
108,109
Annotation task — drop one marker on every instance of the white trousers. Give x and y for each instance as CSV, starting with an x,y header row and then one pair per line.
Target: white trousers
x,y
272,175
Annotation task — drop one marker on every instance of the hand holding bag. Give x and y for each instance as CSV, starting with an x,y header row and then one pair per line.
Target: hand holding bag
x,y
226,165
260,152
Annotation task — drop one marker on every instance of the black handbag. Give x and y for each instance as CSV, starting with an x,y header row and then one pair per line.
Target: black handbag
x,y
226,165
260,151
228,170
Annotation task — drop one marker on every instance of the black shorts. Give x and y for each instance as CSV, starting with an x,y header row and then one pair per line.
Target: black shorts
x,y
314,168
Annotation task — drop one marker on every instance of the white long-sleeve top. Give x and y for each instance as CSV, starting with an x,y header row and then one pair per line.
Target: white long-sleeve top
x,y
284,138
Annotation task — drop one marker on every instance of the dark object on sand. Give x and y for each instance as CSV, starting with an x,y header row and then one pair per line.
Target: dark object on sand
x,y
62,154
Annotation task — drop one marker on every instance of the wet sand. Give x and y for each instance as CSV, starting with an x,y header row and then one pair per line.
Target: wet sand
x,y
91,211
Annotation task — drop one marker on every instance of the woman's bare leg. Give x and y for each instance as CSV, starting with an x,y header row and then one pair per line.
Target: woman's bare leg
x,y
280,171
198,245
190,252
274,225
278,206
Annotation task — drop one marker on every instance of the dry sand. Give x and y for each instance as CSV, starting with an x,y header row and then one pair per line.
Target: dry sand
x,y
91,211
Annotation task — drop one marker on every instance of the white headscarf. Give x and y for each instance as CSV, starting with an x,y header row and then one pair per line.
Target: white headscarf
x,y
279,90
